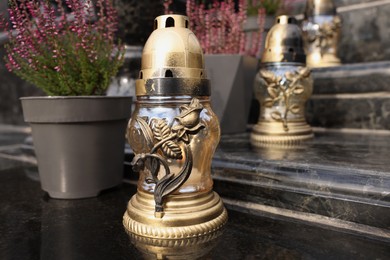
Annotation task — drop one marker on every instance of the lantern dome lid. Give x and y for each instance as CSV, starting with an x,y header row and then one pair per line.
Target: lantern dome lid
x,y
284,42
172,60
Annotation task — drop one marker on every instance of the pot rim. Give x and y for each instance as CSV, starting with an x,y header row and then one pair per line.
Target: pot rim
x,y
72,109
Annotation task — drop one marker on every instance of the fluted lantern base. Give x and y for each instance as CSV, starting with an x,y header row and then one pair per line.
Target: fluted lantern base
x,y
318,60
188,248
184,216
274,132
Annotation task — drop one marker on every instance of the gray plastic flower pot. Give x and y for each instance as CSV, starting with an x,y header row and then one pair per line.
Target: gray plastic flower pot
x,y
231,78
79,142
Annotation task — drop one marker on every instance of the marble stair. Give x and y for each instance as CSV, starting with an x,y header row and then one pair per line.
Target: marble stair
x,y
337,180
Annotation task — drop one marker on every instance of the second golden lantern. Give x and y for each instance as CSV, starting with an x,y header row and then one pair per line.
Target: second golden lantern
x,y
282,87
321,30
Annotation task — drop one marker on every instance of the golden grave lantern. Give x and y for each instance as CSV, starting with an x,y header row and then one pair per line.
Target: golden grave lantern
x,y
321,30
173,133
282,86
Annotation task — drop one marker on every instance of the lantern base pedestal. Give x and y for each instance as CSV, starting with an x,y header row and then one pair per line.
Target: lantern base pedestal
x,y
188,248
184,216
273,132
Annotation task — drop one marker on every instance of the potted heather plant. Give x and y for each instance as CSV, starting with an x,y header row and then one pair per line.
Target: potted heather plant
x,y
69,52
230,58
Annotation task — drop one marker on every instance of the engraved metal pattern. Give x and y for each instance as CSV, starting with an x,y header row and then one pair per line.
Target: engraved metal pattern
x,y
187,216
321,30
188,248
282,89
179,232
175,243
173,143
262,140
323,35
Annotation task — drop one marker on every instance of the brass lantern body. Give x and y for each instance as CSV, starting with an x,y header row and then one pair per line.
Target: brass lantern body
x,y
282,87
173,133
321,30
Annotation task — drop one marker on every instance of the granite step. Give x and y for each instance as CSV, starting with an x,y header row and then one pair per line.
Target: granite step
x,y
337,180
353,96
354,78
365,30
338,176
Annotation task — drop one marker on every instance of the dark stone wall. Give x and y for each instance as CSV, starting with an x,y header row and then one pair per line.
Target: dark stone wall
x,y
11,89
351,96
365,32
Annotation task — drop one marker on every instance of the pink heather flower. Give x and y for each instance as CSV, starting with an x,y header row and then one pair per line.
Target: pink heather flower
x,y
219,28
68,44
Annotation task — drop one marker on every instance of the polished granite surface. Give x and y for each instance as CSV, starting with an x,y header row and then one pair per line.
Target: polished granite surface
x,y
349,152
277,188
339,175
34,226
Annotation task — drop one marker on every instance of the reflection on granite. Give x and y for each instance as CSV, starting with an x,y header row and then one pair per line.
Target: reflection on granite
x,y
345,176
34,226
8,163
14,151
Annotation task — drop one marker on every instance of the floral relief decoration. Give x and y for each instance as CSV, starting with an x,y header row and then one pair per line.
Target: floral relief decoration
x,y
325,33
282,89
168,143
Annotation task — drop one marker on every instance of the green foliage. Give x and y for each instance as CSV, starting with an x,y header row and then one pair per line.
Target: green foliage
x,y
73,54
270,6
79,74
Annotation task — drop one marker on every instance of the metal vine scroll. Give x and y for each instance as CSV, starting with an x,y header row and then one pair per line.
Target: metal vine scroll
x,y
282,89
325,34
168,143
